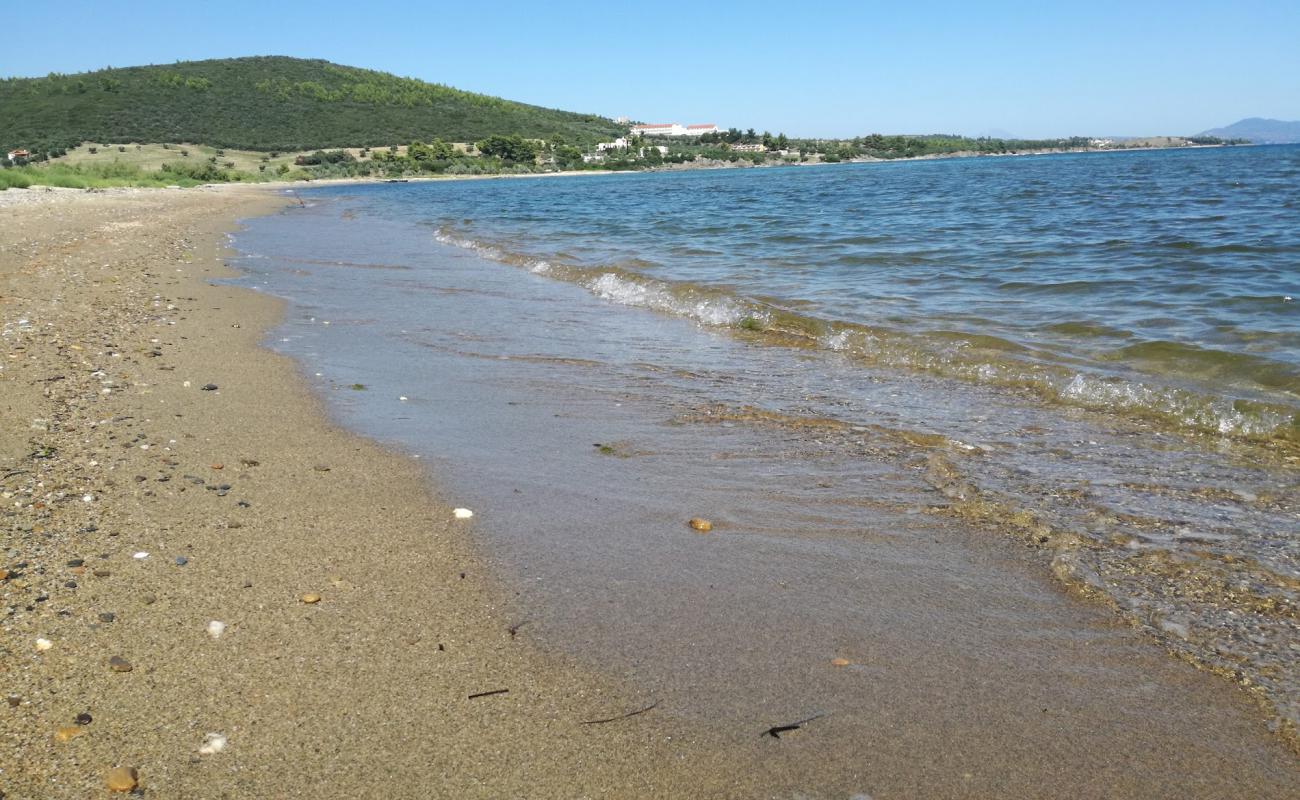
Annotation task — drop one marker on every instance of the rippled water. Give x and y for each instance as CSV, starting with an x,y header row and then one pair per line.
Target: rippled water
x,y
1160,282
860,372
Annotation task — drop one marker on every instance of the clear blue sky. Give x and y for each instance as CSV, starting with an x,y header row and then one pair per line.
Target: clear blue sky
x,y
815,69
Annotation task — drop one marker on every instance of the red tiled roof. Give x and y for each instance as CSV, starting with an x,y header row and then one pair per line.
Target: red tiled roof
x,y
706,125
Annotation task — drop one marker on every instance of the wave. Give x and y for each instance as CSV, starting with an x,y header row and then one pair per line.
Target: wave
x,y
961,355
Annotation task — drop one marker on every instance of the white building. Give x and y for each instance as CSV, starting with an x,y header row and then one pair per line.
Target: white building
x,y
674,129
14,155
618,144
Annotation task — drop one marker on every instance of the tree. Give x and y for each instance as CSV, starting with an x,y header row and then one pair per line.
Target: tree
x,y
509,148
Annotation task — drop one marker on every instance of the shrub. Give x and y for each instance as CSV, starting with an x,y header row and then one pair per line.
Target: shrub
x,y
94,150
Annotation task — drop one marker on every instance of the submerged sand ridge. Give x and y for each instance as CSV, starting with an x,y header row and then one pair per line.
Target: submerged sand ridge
x,y
242,502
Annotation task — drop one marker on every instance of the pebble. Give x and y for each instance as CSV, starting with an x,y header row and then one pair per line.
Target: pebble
x,y
311,598
122,779
216,628
67,733
84,718
840,662
181,561
101,573
700,524
140,555
43,644
462,513
13,700
119,664
107,616
209,387
149,599
212,743
76,562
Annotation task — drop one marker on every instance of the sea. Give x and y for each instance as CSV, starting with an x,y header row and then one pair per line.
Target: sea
x,y
936,411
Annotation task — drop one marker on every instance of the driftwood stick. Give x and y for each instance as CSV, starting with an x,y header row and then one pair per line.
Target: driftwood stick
x,y
620,716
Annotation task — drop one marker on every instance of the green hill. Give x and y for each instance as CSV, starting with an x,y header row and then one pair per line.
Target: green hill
x,y
264,103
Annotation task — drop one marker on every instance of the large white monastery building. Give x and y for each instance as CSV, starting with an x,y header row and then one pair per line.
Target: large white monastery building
x,y
674,129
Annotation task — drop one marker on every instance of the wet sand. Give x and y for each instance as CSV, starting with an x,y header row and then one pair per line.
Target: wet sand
x,y
109,309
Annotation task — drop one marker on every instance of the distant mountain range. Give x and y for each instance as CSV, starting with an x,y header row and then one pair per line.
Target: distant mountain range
x,y
1260,131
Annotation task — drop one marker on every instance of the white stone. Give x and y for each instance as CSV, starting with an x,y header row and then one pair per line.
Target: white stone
x,y
212,743
462,513
216,628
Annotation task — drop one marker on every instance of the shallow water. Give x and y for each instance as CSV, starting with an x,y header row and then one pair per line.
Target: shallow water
x,y
910,520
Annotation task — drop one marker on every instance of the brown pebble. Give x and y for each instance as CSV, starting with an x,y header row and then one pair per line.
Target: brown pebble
x,y
4,574
14,700
78,570
68,733
840,662
101,573
148,599
119,664
311,598
217,466
321,468
122,779
700,524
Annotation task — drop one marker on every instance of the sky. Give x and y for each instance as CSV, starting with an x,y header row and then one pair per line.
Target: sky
x,y
830,69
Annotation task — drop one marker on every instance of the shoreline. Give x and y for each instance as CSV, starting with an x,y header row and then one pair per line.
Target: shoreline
x,y
112,448
366,692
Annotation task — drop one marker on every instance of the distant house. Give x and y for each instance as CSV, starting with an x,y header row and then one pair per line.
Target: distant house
x,y
618,144
749,148
14,155
674,129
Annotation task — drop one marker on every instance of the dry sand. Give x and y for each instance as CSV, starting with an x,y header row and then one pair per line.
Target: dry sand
x,y
110,445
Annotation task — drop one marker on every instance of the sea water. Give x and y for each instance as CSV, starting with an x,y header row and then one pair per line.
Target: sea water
x,y
917,400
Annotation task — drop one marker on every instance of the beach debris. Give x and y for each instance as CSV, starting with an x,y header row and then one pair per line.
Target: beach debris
x,y
840,662
776,730
700,524
322,468
122,779
488,693
187,384
514,629
140,555
216,628
311,598
119,664
212,743
402,398
43,644
462,513
68,733
653,705
209,387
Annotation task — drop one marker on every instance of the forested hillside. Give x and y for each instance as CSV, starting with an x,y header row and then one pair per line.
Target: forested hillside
x,y
264,103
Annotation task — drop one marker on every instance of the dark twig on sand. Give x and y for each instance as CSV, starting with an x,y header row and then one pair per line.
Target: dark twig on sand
x,y
776,731
488,694
515,628
620,716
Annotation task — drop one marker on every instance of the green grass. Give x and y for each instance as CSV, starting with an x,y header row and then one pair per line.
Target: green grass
x,y
106,175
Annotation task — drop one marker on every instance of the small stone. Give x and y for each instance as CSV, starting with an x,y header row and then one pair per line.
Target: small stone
x,y
140,556
216,628
107,616
84,718
76,562
217,466
67,733
43,644
209,387
13,700
311,598
149,599
122,779
70,584
119,664
462,513
101,573
321,468
840,662
212,743
181,561
700,524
